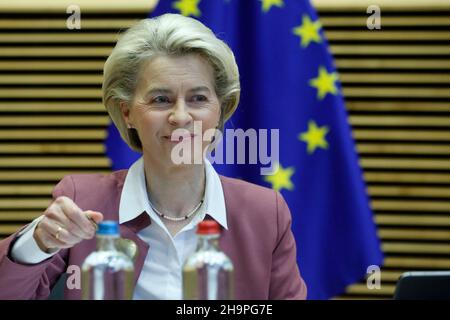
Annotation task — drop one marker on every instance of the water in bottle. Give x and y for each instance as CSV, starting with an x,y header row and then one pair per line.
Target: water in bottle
x,y
107,273
208,273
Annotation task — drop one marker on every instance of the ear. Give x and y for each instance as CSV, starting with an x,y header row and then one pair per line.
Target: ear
x,y
125,110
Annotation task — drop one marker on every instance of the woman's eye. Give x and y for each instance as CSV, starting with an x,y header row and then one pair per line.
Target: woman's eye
x,y
199,98
160,99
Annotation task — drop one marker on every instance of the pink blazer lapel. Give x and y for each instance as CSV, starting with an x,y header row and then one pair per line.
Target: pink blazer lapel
x,y
129,230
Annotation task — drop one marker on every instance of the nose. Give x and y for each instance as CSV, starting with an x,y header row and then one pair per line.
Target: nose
x,y
179,116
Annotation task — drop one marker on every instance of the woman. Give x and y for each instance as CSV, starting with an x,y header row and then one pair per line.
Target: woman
x,y
165,77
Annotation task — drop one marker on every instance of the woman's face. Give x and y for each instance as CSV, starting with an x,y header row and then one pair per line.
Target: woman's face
x,y
172,93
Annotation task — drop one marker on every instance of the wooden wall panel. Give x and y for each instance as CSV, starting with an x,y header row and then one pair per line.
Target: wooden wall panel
x,y
396,85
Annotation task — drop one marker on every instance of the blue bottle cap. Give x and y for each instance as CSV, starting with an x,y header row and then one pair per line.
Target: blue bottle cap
x,y
108,227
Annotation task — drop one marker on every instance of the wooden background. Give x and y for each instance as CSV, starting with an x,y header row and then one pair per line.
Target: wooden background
x,y
396,83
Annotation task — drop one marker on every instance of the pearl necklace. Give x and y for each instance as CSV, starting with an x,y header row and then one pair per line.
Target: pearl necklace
x,y
177,219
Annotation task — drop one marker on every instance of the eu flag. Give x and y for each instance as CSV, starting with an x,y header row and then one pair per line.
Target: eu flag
x,y
289,82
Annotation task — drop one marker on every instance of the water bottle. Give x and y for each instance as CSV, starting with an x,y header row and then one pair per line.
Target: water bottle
x,y
208,272
107,273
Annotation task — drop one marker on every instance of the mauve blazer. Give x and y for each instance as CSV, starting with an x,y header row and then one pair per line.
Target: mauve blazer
x,y
259,241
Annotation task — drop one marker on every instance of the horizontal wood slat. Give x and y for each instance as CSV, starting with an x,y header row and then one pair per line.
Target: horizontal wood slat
x,y
406,121
37,121
21,215
407,177
97,52
361,21
399,247
63,37
386,35
412,220
52,106
417,205
372,49
50,79
47,148
413,164
9,229
386,63
413,7
58,23
415,234
397,78
400,92
386,107
362,289
403,149
37,189
57,134
391,275
50,93
401,135
42,162
34,203
407,191
69,65
43,174
414,263
86,6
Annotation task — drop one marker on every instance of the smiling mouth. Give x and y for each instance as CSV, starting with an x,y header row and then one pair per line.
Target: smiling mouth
x,y
177,139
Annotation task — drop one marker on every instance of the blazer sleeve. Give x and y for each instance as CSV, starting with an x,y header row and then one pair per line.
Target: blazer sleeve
x,y
286,282
32,281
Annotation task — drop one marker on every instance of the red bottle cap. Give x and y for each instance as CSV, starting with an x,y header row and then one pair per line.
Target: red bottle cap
x,y
208,227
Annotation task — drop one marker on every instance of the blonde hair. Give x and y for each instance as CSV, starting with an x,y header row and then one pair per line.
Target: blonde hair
x,y
168,34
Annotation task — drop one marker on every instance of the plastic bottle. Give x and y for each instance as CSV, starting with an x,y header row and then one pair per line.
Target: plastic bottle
x,y
208,272
107,273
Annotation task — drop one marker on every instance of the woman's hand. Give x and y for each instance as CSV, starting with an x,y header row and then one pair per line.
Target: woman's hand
x,y
65,224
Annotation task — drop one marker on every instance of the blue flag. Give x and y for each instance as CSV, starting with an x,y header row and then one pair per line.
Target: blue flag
x,y
289,82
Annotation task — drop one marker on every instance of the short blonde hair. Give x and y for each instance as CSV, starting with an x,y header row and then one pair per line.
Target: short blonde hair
x,y
168,34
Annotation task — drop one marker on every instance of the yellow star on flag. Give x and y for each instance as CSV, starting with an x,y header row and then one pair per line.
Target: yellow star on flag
x,y
314,137
308,31
187,7
267,4
324,83
281,178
